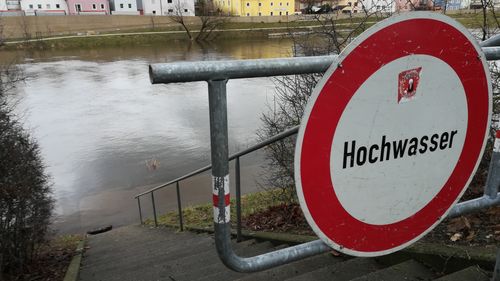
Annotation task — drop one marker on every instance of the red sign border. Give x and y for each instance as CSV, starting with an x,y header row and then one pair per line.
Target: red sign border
x,y
383,43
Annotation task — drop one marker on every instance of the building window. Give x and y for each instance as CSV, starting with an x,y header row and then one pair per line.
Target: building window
x,y
185,10
31,6
271,5
271,13
48,6
94,6
121,6
280,13
260,14
248,4
58,6
286,13
349,4
130,6
102,6
39,6
248,14
355,4
281,4
287,3
170,10
260,4
78,7
154,12
169,1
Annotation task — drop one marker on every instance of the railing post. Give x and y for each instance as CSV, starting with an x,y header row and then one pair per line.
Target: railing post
x,y
140,210
493,180
220,168
154,208
179,205
238,199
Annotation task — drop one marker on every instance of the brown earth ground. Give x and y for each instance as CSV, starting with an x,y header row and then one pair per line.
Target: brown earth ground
x,y
478,229
51,260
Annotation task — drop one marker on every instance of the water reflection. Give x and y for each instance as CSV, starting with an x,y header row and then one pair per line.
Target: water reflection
x,y
177,50
98,120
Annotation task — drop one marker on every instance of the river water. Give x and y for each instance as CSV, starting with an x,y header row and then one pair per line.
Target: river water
x,y
101,125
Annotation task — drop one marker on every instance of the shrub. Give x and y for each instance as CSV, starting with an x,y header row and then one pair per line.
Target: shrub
x,y
26,202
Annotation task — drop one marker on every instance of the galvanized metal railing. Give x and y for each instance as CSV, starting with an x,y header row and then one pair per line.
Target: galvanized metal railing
x,y
236,157
217,73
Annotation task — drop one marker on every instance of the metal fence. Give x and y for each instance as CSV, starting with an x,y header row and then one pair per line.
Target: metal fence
x,y
217,73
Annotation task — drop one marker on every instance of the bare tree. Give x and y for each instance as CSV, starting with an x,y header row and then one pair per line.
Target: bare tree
x,y
25,27
488,25
179,16
211,18
2,35
292,93
153,23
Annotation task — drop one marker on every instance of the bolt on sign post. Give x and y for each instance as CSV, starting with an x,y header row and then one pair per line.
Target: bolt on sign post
x,y
393,134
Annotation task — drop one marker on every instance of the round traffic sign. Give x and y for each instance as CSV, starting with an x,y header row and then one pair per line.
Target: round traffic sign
x,y
393,133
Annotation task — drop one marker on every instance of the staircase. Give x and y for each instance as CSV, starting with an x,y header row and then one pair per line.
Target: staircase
x,y
143,253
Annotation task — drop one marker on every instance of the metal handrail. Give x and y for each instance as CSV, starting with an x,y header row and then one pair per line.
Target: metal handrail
x,y
180,72
217,74
238,154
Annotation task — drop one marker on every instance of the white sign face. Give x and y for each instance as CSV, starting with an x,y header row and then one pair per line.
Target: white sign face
x,y
394,161
393,134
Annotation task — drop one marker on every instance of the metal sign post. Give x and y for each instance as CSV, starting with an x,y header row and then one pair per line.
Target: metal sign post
x,y
216,73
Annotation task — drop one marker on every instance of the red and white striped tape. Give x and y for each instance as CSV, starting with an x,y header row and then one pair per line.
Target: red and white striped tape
x,y
218,183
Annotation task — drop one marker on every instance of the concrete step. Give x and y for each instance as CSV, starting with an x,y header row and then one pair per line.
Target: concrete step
x,y
130,243
208,258
207,268
409,271
164,258
472,273
166,266
110,245
149,253
342,271
295,268
137,253
227,274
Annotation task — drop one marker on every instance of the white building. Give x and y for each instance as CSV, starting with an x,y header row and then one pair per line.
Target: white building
x,y
465,4
124,7
44,7
385,6
10,7
3,6
168,7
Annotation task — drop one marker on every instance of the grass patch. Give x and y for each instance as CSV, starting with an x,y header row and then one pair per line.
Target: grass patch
x,y
202,215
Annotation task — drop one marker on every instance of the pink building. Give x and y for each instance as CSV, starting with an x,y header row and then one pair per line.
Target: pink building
x,y
88,7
